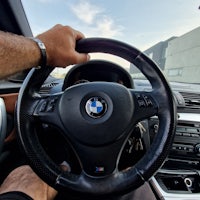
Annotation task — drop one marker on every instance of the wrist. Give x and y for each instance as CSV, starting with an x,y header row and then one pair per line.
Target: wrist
x,y
41,46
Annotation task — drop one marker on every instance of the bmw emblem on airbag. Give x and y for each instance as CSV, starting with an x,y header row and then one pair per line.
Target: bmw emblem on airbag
x,y
96,107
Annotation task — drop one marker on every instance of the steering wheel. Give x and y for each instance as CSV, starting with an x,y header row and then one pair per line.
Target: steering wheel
x,y
97,118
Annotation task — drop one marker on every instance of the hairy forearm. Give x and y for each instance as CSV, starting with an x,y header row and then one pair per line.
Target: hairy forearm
x,y
16,54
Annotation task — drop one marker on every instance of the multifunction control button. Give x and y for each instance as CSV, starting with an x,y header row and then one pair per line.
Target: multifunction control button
x,y
48,105
144,101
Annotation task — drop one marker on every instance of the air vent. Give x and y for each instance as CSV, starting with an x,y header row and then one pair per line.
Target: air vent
x,y
47,87
192,100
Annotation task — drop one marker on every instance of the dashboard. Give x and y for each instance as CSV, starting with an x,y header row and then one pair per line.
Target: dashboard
x,y
179,176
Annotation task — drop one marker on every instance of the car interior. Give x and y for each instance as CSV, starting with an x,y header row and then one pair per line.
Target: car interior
x,y
142,142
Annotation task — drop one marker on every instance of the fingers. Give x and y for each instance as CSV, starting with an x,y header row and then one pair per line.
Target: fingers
x,y
60,42
23,179
78,35
80,57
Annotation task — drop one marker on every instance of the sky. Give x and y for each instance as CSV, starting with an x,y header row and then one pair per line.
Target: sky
x,y
141,23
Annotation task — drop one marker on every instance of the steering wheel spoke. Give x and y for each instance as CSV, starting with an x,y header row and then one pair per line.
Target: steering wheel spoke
x,y
46,110
99,161
145,105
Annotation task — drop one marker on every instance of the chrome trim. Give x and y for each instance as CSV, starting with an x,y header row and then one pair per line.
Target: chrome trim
x,y
172,196
183,172
193,117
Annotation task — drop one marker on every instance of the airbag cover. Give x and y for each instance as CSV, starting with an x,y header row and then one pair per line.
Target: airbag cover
x,y
108,121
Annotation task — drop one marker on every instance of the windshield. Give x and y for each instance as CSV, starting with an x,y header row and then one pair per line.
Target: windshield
x,y
166,31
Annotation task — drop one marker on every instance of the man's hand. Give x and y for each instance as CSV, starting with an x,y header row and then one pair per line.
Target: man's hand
x,y
18,53
23,179
60,42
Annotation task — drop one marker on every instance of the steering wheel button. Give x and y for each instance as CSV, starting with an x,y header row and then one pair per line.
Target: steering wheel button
x,y
43,107
53,101
149,102
141,103
50,108
138,96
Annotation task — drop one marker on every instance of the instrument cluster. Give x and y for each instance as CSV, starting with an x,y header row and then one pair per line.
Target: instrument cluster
x,y
97,70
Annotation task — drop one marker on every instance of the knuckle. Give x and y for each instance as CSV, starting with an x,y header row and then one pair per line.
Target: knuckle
x,y
68,28
58,26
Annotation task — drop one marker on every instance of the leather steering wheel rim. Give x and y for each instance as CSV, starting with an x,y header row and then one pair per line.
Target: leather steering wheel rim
x,y
117,181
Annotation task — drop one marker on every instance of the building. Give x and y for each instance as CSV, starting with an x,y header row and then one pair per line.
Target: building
x,y
183,58
178,57
158,52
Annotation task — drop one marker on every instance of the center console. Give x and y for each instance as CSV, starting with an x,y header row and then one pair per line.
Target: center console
x,y
179,178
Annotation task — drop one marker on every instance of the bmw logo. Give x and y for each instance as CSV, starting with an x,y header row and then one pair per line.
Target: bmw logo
x,y
96,107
